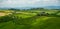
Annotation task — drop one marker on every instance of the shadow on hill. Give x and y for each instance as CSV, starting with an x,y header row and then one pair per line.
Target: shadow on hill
x,y
52,23
54,14
5,19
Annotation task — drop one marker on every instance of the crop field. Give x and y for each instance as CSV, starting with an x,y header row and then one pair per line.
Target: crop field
x,y
30,20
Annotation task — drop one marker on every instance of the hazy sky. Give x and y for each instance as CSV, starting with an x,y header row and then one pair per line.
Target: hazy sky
x,y
29,3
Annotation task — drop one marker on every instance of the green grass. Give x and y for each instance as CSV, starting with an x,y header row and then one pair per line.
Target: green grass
x,y
31,21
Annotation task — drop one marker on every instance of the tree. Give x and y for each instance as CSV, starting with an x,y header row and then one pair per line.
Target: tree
x,y
14,9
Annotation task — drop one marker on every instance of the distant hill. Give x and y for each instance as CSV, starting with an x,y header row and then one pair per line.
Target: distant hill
x,y
52,7
48,7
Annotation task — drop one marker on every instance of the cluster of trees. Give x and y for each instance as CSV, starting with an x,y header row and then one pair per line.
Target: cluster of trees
x,y
31,9
26,9
37,8
14,9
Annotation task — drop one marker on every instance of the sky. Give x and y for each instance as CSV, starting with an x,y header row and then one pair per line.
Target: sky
x,y
28,3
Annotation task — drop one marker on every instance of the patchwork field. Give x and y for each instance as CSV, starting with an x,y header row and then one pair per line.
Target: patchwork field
x,y
30,20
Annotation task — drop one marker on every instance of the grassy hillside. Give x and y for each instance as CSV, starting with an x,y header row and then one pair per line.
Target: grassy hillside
x,y
29,20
